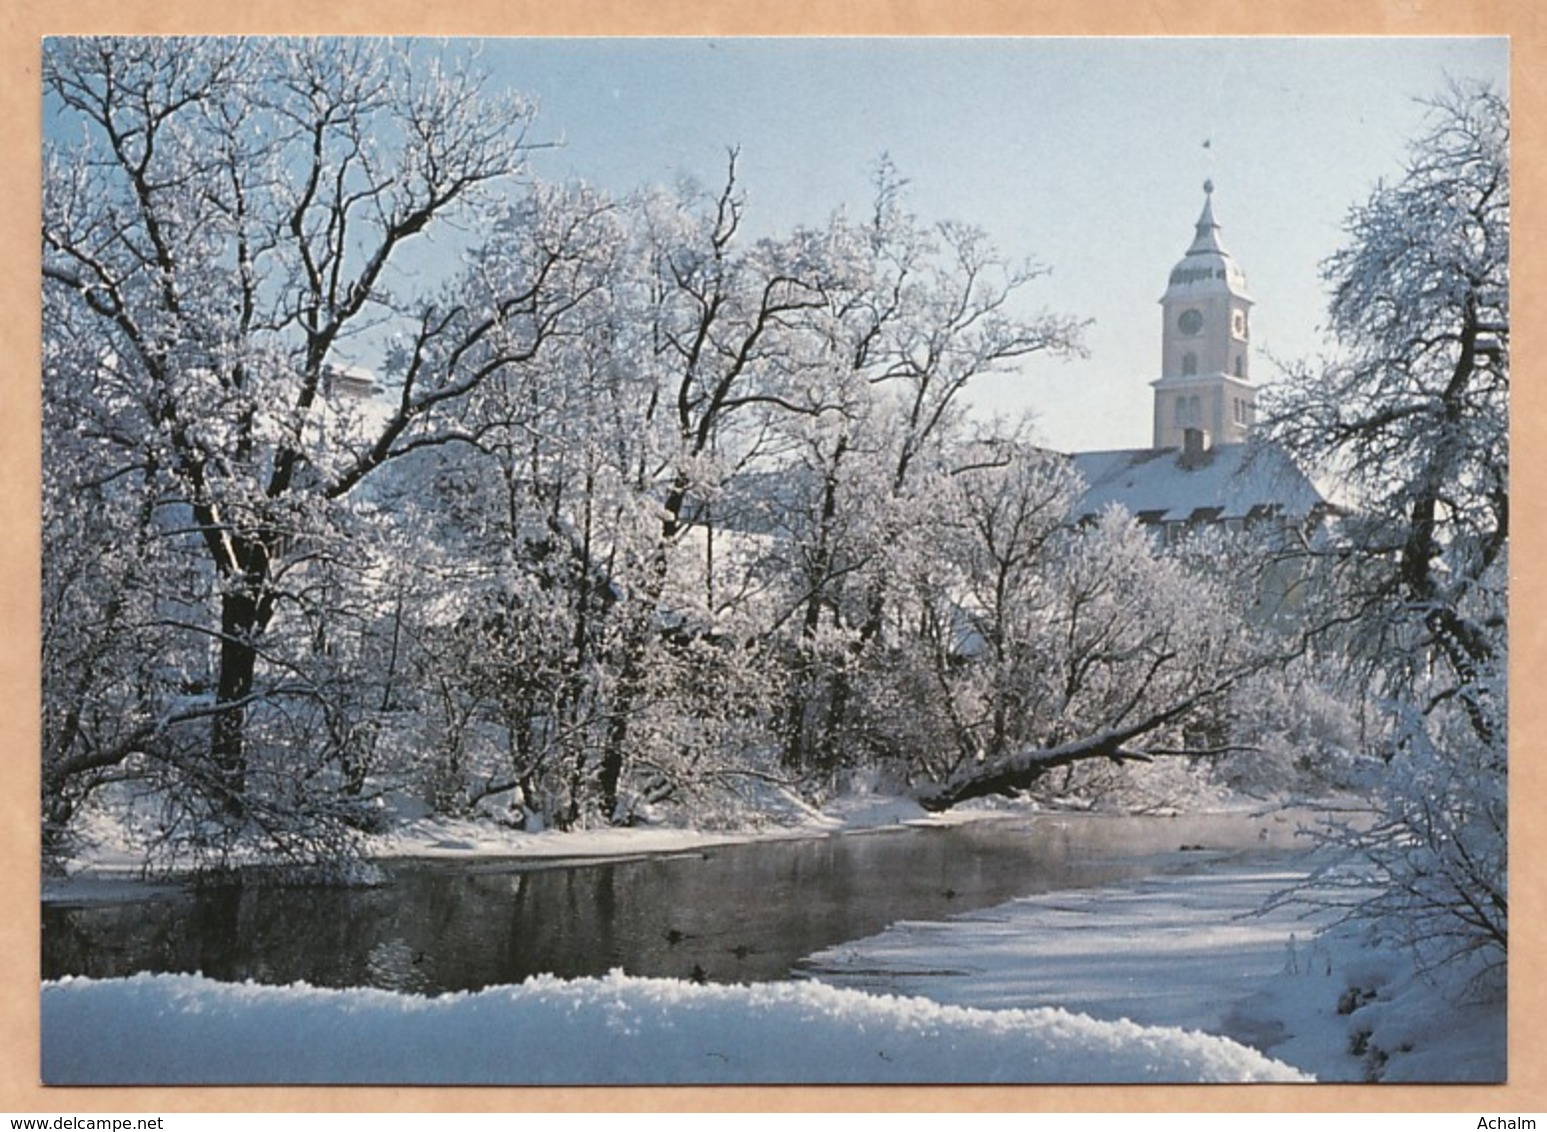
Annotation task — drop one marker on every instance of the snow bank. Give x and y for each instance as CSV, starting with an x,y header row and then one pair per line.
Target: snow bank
x,y
425,836
108,864
1205,951
183,1029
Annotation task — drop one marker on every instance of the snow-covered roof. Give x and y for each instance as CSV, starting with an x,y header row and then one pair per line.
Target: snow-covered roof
x,y
1230,481
352,380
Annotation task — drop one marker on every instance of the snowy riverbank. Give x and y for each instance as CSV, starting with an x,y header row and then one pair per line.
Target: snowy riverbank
x,y
111,851
1177,977
1196,950
615,1030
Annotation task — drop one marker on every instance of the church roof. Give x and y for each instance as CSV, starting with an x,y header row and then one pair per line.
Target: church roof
x,y
1207,268
1253,480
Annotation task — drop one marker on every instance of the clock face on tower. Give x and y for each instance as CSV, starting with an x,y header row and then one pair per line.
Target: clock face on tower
x,y
1190,321
1238,323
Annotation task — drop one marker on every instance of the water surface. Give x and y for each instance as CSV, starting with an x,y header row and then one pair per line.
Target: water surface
x,y
736,913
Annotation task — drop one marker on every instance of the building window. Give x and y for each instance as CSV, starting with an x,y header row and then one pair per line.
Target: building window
x,y
1240,366
1189,364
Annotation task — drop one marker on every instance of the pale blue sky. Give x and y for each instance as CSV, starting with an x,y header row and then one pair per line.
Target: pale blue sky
x,y
1085,154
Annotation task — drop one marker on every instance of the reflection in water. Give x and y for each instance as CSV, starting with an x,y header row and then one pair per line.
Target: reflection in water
x,y
740,913
395,965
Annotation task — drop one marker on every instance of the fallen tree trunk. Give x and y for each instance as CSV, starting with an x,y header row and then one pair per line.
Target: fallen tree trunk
x,y
1017,772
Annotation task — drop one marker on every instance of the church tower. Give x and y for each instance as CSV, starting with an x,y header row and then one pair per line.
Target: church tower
x,y
1205,381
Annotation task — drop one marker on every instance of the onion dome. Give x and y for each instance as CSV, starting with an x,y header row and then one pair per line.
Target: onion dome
x,y
1207,268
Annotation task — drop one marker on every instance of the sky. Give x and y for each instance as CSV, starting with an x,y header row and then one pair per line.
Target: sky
x,y
1085,155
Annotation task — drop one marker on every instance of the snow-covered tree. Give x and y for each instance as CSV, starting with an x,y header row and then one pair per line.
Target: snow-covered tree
x,y
929,310
642,512
967,619
227,223
1128,655
1412,414
1014,504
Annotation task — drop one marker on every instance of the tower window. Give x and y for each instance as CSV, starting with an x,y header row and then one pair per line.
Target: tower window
x,y
1240,366
1189,363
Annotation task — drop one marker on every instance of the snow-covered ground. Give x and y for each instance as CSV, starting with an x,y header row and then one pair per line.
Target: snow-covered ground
x,y
1172,978
112,838
614,1030
1195,950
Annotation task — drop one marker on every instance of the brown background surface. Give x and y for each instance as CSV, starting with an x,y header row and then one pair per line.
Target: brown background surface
x,y
22,25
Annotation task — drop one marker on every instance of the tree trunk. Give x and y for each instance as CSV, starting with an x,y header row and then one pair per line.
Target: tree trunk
x,y
243,618
630,687
1021,770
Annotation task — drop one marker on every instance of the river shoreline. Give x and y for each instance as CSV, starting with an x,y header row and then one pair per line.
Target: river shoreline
x,y
111,868
1184,949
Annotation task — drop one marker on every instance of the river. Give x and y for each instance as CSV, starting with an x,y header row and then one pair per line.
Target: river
x,y
735,913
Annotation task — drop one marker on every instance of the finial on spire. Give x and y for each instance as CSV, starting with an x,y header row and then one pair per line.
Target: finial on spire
x,y
1208,185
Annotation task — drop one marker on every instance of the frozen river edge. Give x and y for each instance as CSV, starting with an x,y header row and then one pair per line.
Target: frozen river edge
x,y
1169,979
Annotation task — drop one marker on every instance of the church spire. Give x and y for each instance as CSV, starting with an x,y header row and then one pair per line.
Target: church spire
x,y
1206,237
